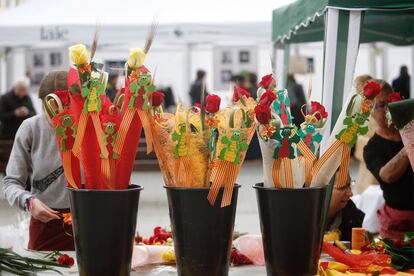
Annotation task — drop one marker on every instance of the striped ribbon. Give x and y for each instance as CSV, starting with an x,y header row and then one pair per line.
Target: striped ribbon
x,y
344,166
159,151
288,172
309,159
225,177
80,133
146,124
106,172
99,133
276,173
325,157
67,168
123,130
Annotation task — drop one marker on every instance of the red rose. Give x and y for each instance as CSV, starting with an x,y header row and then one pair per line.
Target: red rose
x,y
267,98
267,81
157,98
66,260
371,89
212,103
394,97
318,110
64,97
239,91
263,113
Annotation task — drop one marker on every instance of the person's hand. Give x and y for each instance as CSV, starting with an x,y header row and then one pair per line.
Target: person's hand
x,y
41,212
24,111
21,112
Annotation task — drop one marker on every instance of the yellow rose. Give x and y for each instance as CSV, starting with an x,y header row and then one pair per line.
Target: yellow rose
x,y
78,54
136,58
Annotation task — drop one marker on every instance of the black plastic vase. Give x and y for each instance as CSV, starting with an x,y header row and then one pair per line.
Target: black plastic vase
x,y
202,233
292,224
104,223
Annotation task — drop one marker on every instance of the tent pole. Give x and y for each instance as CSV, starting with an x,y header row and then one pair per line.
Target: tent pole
x,y
282,54
342,33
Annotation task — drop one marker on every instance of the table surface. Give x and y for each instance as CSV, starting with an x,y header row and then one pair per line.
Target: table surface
x,y
150,270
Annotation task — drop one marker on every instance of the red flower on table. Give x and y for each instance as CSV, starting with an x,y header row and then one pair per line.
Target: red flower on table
x,y
157,98
267,98
267,81
371,89
237,258
66,260
318,110
213,103
263,113
394,97
239,92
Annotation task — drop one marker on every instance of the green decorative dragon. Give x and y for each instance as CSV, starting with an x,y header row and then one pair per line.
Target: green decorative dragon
x,y
355,125
141,91
67,131
233,147
181,147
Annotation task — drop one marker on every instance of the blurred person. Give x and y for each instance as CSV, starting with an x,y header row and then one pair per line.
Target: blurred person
x,y
195,90
252,77
402,83
111,87
365,177
169,101
387,160
297,99
35,159
15,107
239,80
343,214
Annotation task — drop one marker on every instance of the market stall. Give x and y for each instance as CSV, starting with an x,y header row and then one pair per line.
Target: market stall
x,y
342,25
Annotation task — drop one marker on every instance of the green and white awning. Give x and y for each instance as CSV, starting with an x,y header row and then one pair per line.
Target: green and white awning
x,y
342,25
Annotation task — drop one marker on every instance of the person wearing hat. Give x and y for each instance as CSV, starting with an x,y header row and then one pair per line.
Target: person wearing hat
x,y
343,215
15,107
35,159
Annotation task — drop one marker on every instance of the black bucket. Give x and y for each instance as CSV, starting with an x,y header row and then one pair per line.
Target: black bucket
x,y
292,224
202,233
104,223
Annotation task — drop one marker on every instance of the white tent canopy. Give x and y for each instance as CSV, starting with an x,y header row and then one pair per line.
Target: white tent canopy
x,y
40,22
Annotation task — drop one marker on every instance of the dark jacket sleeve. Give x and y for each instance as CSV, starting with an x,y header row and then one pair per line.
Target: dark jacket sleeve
x,y
29,105
5,111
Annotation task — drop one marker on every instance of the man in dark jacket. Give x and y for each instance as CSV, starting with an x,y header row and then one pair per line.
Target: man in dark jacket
x,y
343,214
15,107
402,83
195,90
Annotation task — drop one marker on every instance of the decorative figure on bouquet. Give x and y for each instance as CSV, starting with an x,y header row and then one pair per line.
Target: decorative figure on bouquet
x,y
66,132
284,148
181,147
309,136
110,134
282,107
233,147
141,88
355,125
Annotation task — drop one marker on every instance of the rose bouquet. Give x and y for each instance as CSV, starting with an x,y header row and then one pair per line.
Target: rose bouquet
x,y
203,146
98,140
350,124
288,154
